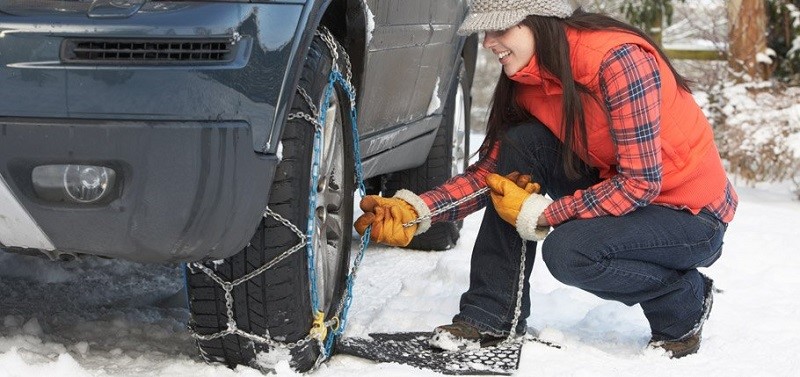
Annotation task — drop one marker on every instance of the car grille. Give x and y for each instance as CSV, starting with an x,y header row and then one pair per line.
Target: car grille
x,y
147,52
63,6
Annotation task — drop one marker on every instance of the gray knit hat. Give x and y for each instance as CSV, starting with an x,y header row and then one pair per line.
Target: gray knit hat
x,y
503,14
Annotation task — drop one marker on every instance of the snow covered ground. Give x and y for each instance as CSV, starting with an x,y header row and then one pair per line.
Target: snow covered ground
x,y
98,317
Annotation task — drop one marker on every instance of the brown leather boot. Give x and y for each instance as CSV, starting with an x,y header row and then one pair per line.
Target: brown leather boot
x,y
678,348
461,336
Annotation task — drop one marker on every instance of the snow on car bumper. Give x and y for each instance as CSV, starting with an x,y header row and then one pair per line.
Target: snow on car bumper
x,y
17,227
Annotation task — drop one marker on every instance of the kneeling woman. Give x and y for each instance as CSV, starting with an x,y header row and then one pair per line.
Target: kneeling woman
x,y
593,111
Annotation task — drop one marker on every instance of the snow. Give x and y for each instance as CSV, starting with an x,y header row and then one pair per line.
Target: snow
x,y
436,102
17,227
795,14
98,317
370,22
449,342
279,151
766,56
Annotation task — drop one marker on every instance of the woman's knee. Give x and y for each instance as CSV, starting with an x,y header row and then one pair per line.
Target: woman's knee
x,y
565,259
532,132
527,147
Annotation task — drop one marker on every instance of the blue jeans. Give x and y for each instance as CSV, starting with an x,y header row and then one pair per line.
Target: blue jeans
x,y
647,257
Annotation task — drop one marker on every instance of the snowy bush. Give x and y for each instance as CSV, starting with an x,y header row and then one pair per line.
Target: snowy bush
x,y
757,126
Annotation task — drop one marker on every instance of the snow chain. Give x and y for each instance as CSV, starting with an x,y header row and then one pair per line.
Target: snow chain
x,y
320,328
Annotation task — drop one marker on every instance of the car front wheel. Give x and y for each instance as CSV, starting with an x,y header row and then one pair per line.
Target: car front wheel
x,y
277,304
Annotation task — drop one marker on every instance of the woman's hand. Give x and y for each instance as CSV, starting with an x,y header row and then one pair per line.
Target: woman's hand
x,y
509,192
523,181
521,207
387,216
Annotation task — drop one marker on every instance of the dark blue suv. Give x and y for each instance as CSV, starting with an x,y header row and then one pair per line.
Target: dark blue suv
x,y
171,130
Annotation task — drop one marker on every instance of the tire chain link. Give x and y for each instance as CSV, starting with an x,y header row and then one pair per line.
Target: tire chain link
x,y
512,335
447,207
233,328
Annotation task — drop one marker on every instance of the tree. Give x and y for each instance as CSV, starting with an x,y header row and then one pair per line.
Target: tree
x,y
748,55
784,38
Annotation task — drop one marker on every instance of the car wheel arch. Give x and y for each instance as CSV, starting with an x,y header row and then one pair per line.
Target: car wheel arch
x,y
351,35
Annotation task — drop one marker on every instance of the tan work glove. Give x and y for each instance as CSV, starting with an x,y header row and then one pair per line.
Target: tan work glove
x,y
519,206
387,216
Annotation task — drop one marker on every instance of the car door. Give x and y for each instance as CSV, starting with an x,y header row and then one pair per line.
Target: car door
x,y
410,57
439,58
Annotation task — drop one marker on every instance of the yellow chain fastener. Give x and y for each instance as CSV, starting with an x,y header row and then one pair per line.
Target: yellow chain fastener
x,y
318,329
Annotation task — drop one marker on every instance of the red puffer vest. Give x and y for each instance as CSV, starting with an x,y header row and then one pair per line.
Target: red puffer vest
x,y
693,175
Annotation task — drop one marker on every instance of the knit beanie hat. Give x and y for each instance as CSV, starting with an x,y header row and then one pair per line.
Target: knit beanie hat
x,y
503,14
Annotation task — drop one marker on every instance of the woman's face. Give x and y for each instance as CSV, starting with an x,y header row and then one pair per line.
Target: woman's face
x,y
514,47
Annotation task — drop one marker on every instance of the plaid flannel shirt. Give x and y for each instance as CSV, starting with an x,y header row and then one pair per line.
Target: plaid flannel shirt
x,y
635,113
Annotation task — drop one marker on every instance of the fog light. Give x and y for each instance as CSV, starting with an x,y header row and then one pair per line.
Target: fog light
x,y
73,183
86,183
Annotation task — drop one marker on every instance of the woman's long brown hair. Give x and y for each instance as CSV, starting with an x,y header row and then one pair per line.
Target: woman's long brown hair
x,y
553,56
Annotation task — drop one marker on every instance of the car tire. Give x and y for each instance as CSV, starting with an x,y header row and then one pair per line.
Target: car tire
x,y
447,157
277,304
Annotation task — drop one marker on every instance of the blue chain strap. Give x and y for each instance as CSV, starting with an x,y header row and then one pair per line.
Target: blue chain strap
x,y
334,78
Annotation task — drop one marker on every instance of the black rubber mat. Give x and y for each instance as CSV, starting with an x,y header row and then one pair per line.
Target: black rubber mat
x,y
412,349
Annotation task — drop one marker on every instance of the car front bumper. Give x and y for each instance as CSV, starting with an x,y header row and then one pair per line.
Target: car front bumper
x,y
186,190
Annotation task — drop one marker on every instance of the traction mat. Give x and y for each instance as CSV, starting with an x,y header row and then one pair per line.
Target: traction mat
x,y
411,348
